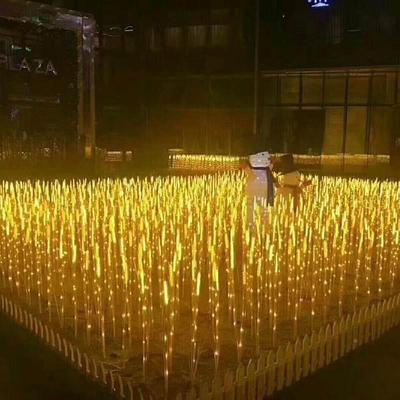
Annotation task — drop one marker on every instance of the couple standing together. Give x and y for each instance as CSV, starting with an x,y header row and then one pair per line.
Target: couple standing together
x,y
262,183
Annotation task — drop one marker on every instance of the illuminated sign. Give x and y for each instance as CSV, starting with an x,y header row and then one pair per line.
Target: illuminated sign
x,y
12,59
36,65
319,3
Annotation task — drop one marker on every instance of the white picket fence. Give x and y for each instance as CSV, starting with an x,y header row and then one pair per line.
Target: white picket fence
x,y
94,369
277,369
273,370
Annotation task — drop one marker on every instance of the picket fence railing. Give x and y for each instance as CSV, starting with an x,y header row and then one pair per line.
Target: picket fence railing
x,y
271,372
279,368
93,368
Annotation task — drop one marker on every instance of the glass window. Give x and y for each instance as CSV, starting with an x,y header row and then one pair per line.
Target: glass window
x,y
130,43
380,139
219,35
173,37
290,89
383,88
335,29
358,89
312,89
270,89
335,89
397,100
334,124
356,130
153,39
197,35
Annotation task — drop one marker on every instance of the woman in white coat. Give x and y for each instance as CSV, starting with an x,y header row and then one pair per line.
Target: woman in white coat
x,y
260,185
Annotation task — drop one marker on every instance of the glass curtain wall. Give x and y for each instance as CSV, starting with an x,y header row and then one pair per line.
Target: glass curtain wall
x,y
348,111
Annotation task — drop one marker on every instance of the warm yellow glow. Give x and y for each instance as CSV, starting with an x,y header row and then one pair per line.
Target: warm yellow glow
x,y
161,267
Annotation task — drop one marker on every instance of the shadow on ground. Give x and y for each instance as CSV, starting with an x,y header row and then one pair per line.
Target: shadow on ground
x,y
30,371
370,373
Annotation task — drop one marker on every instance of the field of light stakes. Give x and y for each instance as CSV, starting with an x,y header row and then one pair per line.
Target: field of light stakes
x,y
168,274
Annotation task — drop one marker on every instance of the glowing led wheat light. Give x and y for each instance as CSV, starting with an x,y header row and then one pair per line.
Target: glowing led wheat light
x,y
168,271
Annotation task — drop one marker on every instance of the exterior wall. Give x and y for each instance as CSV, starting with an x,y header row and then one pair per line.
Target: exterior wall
x,y
353,108
331,111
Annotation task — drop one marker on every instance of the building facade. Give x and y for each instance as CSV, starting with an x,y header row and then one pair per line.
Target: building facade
x,y
180,73
46,82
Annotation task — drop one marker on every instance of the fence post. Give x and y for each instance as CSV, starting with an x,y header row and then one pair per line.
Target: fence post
x,y
328,345
205,392
306,356
217,389
229,388
240,383
41,330
36,326
79,358
59,344
397,309
251,380
21,316
95,372
342,337
271,373
314,352
390,313
349,335
121,387
280,371
361,326
354,328
65,348
386,315
289,356
298,355
71,353
373,322
112,380
379,312
130,390
46,331
53,342
103,374
367,325
87,364
191,395
261,376
322,348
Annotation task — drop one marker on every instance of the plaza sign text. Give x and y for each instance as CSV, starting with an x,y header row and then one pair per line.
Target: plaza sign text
x,y
36,65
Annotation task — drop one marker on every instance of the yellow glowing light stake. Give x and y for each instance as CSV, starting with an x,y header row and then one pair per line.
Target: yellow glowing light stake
x,y
169,268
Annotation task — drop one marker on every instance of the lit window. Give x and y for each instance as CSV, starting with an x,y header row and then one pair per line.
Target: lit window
x,y
154,42
219,35
335,29
197,35
173,37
